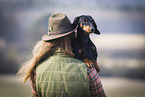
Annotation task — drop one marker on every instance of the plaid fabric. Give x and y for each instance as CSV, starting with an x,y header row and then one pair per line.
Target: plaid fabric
x,y
96,88
34,92
62,76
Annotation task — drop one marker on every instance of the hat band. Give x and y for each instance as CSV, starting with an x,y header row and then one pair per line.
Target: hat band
x,y
60,32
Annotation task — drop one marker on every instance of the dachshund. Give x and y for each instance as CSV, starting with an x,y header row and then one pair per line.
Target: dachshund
x,y
83,47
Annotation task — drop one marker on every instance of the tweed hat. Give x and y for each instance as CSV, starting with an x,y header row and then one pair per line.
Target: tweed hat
x,y
59,26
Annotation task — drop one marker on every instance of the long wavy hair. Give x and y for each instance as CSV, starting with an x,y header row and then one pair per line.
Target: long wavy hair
x,y
44,50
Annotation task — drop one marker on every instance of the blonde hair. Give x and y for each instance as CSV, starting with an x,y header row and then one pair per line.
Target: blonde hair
x,y
43,50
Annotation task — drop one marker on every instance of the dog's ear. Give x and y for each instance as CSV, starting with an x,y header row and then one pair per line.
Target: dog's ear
x,y
76,21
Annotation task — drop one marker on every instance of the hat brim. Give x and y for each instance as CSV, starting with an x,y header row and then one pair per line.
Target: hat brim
x,y
46,37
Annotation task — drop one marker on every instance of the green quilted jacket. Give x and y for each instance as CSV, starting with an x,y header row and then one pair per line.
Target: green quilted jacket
x,y
62,76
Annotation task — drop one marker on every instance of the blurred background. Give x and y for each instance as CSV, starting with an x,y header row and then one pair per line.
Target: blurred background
x,y
121,45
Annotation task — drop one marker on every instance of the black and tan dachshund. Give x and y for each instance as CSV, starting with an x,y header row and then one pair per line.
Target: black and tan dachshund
x,y
83,47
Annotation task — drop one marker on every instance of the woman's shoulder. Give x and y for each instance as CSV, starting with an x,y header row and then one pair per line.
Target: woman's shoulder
x,y
75,60
62,59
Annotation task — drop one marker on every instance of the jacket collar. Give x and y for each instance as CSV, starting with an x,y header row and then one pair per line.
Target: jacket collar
x,y
60,52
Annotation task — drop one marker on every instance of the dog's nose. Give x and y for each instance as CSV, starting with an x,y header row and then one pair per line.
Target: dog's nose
x,y
93,30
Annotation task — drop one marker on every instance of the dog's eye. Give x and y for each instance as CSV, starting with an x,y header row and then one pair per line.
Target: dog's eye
x,y
92,20
84,24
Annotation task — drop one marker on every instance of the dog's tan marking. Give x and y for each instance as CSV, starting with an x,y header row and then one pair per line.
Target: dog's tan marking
x,y
80,51
93,48
87,29
81,25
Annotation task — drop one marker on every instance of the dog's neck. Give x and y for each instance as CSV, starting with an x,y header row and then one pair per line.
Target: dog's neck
x,y
82,37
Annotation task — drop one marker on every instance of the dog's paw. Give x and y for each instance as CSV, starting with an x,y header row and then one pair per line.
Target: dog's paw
x,y
88,62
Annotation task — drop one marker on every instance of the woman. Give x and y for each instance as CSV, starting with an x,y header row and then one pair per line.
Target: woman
x,y
53,70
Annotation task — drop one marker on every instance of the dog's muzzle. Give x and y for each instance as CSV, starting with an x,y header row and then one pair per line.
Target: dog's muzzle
x,y
88,27
92,29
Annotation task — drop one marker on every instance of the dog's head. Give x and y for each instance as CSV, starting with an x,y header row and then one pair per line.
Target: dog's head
x,y
87,23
